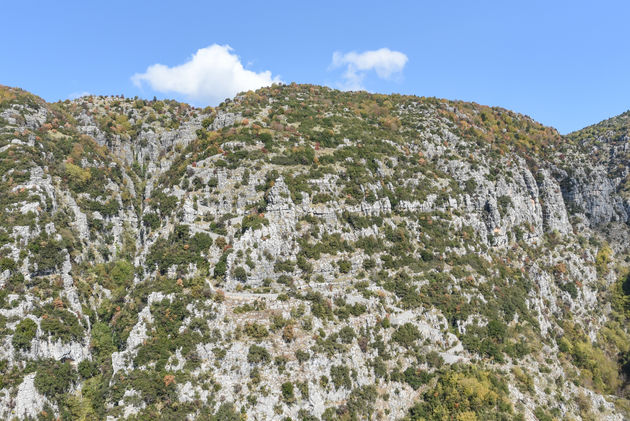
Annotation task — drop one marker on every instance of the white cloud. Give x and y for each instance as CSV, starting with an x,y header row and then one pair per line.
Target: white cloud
x,y
384,62
212,74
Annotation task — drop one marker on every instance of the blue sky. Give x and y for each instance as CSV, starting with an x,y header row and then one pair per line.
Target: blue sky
x,y
564,63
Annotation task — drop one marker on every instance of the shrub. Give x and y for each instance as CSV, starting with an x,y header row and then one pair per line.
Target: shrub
x,y
54,378
321,198
240,273
346,334
603,258
302,356
570,288
254,222
303,388
226,412
47,253
122,272
406,335
284,266
434,359
77,176
369,264
344,266
7,264
102,341
340,376
463,394
61,324
416,378
24,333
87,369
256,330
361,401
497,330
220,269
258,354
287,392
504,203
200,242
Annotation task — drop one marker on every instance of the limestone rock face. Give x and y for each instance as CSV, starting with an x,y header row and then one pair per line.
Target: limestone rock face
x,y
555,216
595,196
28,403
299,252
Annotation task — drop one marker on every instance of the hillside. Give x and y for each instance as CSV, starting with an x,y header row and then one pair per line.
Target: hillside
x,y
303,253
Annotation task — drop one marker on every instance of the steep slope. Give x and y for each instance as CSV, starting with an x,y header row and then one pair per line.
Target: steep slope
x,y
606,145
308,253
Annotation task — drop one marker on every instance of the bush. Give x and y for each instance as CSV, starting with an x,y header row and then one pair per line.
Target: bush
x,y
200,242
570,288
7,264
226,412
54,378
87,369
466,393
122,273
256,330
102,341
346,334
254,222
434,359
78,177
603,258
287,392
154,386
240,273
258,354
220,269
284,266
340,376
504,203
406,335
416,378
61,324
369,264
361,401
497,330
321,198
302,356
179,249
47,254
344,266
24,333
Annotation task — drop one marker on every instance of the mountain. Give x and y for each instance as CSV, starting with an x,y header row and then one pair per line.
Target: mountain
x,y
303,253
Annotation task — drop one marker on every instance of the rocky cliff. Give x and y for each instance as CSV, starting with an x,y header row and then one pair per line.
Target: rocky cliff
x,y
304,253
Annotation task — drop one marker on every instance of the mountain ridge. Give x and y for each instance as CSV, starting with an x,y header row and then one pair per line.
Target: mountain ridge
x,y
303,252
